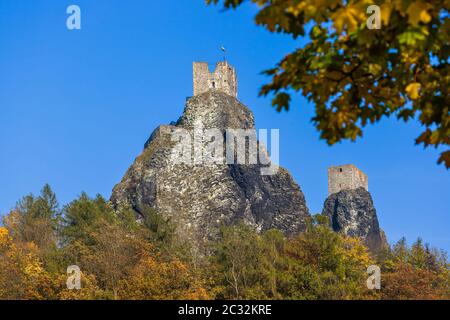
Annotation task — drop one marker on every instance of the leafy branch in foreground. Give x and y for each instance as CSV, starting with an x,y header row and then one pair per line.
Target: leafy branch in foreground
x,y
355,75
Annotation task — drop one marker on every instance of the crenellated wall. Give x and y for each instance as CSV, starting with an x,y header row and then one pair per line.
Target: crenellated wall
x,y
222,79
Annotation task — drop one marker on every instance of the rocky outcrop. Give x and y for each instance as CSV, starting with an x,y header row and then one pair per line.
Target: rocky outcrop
x,y
199,198
352,213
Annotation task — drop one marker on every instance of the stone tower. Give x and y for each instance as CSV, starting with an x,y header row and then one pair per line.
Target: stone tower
x,y
346,177
222,79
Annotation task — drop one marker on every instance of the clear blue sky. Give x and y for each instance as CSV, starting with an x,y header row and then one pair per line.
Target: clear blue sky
x,y
77,106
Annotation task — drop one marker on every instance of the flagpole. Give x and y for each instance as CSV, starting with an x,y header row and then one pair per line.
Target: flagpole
x,y
224,53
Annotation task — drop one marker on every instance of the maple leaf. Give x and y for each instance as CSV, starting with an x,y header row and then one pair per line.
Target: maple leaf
x,y
418,12
412,90
346,17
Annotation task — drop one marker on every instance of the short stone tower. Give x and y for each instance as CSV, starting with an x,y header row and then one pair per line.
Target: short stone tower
x,y
346,177
222,79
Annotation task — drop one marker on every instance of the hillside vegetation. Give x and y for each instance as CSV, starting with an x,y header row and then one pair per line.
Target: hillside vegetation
x,y
121,258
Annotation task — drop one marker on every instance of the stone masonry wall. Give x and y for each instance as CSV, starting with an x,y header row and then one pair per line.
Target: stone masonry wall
x,y
346,177
222,79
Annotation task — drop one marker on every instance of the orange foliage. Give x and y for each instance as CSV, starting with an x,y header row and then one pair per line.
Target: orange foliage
x,y
156,279
409,283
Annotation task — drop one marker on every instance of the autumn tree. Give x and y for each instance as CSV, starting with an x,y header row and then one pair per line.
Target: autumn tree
x,y
325,265
35,219
112,255
416,272
318,264
22,273
125,257
156,277
241,266
103,242
409,283
90,289
356,75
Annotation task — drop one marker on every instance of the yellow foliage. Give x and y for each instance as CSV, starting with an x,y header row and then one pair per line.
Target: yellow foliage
x,y
412,32
155,279
355,252
89,289
413,90
22,275
349,16
3,235
386,10
418,12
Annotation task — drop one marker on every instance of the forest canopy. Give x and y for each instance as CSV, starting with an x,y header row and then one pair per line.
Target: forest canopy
x,y
124,258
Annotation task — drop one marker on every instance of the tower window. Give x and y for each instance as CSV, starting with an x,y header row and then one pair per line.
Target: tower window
x,y
340,169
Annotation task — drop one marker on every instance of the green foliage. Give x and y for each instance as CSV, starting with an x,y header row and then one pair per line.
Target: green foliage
x,y
160,229
331,266
318,264
40,212
36,220
355,75
84,215
124,258
244,264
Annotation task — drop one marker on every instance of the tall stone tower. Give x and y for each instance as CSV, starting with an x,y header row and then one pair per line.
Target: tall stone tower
x,y
223,78
346,177
350,208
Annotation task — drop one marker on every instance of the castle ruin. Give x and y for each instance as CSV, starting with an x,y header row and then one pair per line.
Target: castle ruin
x,y
223,78
346,177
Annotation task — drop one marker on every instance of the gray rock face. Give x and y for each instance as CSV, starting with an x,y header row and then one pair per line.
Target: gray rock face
x,y
352,213
199,198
